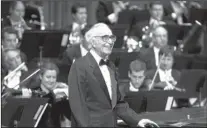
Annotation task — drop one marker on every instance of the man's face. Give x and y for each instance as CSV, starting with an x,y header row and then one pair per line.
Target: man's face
x,y
81,15
10,40
18,11
160,37
156,11
137,78
104,44
166,62
13,60
49,78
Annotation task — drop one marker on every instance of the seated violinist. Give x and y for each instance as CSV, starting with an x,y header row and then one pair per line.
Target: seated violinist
x,y
57,92
164,77
16,77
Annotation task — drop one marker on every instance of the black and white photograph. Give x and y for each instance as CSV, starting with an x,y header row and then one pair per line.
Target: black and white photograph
x,y
104,63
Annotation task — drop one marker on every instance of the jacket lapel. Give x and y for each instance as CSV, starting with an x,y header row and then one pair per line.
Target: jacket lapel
x,y
98,75
114,87
78,52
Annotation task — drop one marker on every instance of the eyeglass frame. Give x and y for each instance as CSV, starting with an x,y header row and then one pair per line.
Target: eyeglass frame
x,y
112,37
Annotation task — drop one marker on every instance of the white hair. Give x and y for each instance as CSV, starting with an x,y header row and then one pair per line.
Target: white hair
x,y
98,29
159,27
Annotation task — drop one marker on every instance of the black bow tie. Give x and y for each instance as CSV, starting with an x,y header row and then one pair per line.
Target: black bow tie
x,y
102,62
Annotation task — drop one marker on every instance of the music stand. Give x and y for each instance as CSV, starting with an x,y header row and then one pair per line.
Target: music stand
x,y
31,114
198,14
49,40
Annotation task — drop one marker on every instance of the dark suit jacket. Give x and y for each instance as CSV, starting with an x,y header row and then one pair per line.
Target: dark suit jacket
x,y
150,74
147,55
103,10
89,98
72,52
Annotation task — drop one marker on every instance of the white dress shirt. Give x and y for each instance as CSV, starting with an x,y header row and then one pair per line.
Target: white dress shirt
x,y
83,50
105,72
156,52
156,22
132,88
14,81
166,76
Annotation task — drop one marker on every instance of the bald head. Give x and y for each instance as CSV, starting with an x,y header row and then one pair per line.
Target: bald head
x,y
160,37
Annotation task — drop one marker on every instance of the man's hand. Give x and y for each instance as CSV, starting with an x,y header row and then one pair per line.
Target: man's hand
x,y
143,122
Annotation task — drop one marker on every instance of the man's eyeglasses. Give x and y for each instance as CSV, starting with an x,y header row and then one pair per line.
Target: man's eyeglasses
x,y
106,38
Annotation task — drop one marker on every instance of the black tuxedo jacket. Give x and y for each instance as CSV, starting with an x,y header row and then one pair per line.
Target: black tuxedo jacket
x,y
89,98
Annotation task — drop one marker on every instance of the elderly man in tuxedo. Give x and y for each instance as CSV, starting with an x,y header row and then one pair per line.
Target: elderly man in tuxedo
x,y
95,99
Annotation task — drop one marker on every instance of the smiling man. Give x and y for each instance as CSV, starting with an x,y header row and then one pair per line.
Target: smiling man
x,y
95,99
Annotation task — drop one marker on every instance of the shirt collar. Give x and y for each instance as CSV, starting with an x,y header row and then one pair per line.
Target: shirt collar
x,y
75,25
166,71
83,50
156,49
96,56
132,88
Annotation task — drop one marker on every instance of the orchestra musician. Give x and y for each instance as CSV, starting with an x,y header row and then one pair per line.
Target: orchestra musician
x,y
57,92
77,28
151,55
142,29
95,99
167,77
76,51
108,11
15,19
136,74
14,72
9,38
